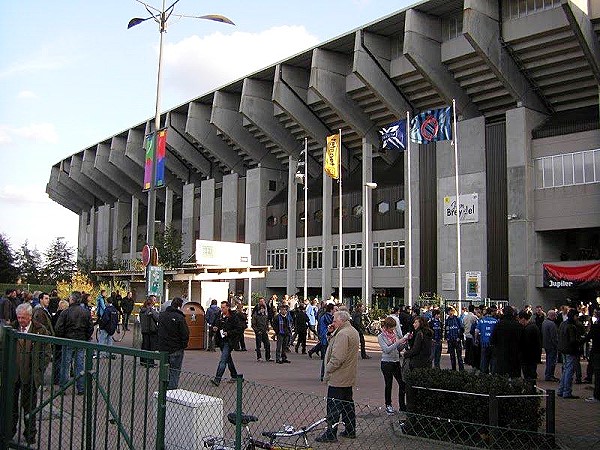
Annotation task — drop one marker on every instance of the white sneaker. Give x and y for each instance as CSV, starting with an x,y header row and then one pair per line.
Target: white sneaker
x,y
592,400
390,410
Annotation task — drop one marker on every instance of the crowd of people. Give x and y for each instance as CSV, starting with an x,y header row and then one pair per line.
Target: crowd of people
x,y
497,340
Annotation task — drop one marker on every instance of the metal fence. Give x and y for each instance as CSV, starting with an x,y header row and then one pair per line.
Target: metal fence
x,y
106,402
125,405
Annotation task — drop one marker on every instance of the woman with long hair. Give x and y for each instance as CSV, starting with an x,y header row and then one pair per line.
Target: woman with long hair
x,y
419,351
149,328
390,363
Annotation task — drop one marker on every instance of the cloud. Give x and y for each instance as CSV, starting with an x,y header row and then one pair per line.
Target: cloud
x,y
197,65
23,194
27,94
36,132
51,56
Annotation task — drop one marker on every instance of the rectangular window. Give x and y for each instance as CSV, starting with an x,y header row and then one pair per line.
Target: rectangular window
x,y
277,258
567,169
351,254
388,254
314,258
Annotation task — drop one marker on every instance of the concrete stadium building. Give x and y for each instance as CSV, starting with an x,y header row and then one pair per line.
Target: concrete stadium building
x,y
525,76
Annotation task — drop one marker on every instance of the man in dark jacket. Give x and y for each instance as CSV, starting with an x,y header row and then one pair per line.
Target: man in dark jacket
x,y
357,322
173,337
74,323
550,344
127,308
594,336
301,328
211,315
505,340
568,345
282,326
531,346
227,330
453,333
8,307
260,325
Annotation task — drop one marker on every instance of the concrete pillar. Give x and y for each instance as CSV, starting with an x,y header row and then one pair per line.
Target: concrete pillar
x,y
520,202
168,207
472,180
326,287
259,182
207,209
229,212
367,243
119,220
135,210
415,237
82,236
90,249
188,234
292,214
103,245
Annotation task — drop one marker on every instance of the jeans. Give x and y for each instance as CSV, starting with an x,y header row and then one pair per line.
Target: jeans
x,y
283,341
323,351
436,351
455,349
469,351
551,357
301,341
126,316
565,387
65,369
104,339
225,361
391,370
175,362
486,359
340,403
263,338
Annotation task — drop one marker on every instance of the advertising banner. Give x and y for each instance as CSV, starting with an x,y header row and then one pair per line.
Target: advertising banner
x,y
584,276
469,209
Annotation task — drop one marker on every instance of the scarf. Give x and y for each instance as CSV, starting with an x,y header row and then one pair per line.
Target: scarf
x,y
390,335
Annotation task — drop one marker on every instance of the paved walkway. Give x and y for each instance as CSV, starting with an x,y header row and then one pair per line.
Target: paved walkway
x,y
573,417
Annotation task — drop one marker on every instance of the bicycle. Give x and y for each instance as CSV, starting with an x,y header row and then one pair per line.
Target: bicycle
x,y
372,326
120,331
274,437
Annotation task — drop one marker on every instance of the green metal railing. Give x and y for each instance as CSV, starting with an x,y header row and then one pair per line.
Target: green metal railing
x,y
113,402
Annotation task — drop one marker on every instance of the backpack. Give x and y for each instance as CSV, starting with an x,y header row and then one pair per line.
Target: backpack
x,y
109,320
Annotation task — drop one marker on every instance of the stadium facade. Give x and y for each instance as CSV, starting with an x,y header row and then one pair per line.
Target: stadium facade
x,y
525,76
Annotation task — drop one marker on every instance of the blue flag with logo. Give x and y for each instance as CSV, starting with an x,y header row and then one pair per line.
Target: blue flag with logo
x,y
431,126
393,137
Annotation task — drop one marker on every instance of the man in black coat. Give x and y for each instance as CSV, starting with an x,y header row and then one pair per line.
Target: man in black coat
x,y
173,337
505,340
227,329
530,348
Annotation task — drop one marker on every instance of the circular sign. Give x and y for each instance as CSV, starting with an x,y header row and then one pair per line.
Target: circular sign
x,y
146,255
429,128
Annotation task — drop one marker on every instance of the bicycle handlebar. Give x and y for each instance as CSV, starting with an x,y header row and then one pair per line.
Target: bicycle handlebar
x,y
300,432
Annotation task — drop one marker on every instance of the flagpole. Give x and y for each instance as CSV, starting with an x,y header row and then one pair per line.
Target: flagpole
x,y
305,218
340,249
409,246
458,258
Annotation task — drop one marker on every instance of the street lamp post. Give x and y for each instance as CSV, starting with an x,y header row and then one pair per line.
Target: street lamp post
x,y
161,17
369,186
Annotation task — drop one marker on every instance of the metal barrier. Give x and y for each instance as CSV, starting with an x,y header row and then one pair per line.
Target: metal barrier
x,y
100,402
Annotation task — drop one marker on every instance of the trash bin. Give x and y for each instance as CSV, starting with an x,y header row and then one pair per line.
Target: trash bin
x,y
194,317
190,417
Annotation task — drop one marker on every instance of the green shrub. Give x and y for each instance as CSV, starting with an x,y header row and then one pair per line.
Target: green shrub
x,y
474,408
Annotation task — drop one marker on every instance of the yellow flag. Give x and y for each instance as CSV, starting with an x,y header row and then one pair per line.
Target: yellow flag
x,y
331,161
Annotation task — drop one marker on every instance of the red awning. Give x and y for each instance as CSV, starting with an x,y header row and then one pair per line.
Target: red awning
x,y
583,276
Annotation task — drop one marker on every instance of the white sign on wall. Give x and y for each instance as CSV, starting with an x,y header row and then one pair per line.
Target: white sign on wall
x,y
469,209
219,253
473,285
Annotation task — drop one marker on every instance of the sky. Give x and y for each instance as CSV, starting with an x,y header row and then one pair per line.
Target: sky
x,y
71,75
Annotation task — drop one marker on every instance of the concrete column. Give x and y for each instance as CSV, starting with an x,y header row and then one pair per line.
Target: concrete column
x,y
119,220
258,195
326,287
187,222
367,195
168,207
472,180
135,209
90,248
292,214
82,236
229,213
103,245
522,249
207,209
415,222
